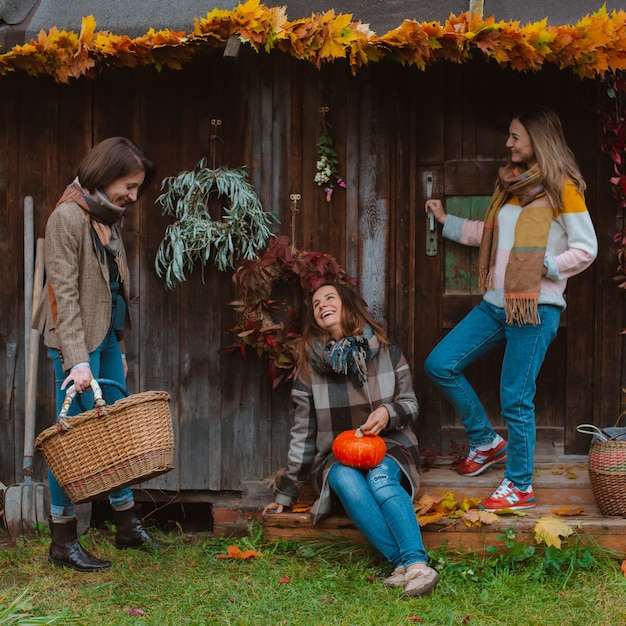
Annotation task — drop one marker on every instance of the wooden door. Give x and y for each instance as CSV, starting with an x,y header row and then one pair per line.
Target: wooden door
x,y
462,171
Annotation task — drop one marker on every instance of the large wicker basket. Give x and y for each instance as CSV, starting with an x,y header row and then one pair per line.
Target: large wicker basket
x,y
110,447
607,470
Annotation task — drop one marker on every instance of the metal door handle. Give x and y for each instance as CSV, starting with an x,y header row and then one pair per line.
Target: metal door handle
x,y
431,230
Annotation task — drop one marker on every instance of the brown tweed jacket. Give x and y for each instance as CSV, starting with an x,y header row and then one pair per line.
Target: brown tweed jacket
x,y
74,312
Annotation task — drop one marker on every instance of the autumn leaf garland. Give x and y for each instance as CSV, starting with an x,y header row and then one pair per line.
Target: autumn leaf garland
x,y
594,46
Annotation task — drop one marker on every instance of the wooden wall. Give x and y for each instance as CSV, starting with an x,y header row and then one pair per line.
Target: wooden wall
x,y
392,125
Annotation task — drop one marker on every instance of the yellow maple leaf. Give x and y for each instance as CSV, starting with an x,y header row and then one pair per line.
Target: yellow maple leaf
x,y
87,29
550,530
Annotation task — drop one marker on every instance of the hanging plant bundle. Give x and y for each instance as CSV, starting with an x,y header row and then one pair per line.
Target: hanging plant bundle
x,y
195,236
259,306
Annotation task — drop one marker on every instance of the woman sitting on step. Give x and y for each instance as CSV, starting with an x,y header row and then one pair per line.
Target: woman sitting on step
x,y
350,375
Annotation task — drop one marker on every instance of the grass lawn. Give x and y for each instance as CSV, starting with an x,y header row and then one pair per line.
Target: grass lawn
x,y
326,582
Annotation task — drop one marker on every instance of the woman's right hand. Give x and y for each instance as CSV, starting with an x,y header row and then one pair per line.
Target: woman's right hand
x,y
81,377
273,507
435,206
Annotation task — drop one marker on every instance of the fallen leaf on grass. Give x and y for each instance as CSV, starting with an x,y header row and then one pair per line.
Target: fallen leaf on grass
x,y
233,552
414,618
567,511
284,580
624,568
133,611
550,530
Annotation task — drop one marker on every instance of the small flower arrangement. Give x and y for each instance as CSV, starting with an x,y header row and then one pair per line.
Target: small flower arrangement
x,y
327,162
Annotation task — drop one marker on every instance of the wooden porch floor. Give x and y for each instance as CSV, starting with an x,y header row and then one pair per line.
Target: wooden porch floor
x,y
561,483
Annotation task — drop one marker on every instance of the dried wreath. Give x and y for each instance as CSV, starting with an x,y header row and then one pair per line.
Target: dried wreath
x,y
195,235
256,281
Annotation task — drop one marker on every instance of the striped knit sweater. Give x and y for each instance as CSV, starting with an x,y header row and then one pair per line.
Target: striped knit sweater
x,y
572,245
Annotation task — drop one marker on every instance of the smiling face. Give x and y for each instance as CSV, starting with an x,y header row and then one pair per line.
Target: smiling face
x,y
519,144
327,310
124,190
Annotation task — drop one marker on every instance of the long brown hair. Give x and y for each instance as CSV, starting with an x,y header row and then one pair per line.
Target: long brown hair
x,y
112,159
554,157
354,317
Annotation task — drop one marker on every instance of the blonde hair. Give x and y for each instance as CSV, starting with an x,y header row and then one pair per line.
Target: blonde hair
x,y
554,157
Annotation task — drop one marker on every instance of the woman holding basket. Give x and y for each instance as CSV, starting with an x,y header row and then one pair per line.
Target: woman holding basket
x,y
83,316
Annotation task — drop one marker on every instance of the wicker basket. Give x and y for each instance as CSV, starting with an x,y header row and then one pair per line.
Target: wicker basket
x,y
607,469
110,447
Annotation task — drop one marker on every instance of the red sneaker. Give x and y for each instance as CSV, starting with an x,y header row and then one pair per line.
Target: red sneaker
x,y
508,496
478,461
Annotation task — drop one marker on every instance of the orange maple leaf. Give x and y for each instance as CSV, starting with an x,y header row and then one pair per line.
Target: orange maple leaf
x,y
624,568
430,518
233,552
301,508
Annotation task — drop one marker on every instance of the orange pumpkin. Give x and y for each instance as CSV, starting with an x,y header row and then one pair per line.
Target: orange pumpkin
x,y
357,450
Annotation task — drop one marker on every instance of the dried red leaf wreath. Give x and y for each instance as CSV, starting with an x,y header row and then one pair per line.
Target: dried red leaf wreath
x,y
268,325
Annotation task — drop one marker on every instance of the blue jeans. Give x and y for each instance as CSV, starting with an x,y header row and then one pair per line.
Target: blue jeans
x,y
381,509
105,362
481,331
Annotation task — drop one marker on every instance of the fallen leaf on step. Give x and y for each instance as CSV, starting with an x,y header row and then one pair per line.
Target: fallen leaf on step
x,y
567,511
431,518
478,517
426,503
550,530
301,508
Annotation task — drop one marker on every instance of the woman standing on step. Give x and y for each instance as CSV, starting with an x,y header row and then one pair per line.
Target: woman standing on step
x,y
350,375
84,317
536,234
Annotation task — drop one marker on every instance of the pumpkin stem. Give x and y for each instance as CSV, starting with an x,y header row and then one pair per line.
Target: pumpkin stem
x,y
358,432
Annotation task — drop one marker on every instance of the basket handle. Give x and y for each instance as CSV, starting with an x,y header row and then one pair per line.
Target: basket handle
x,y
105,382
592,429
99,401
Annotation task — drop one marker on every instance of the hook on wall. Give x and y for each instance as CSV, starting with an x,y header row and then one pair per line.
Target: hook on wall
x,y
215,123
294,197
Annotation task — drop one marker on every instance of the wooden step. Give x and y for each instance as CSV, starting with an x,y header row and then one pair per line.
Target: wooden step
x,y
557,486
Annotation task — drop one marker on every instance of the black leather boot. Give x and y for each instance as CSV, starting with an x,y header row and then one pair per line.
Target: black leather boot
x,y
65,549
131,532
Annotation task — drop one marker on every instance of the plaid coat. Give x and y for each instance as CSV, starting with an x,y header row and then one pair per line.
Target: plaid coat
x,y
74,313
327,404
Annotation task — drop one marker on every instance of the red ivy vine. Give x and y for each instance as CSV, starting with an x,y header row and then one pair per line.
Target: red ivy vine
x,y
611,108
257,281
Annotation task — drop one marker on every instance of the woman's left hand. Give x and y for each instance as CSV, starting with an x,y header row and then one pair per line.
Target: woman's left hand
x,y
376,421
273,507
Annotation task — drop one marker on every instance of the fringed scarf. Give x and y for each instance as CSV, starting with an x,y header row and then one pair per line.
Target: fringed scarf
x,y
103,214
522,278
348,356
